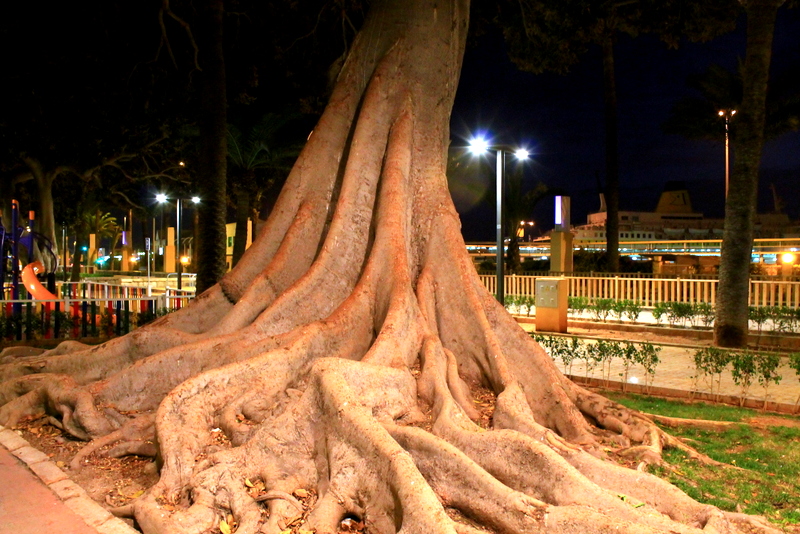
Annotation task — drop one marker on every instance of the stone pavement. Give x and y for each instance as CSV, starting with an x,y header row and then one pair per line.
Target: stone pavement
x,y
36,497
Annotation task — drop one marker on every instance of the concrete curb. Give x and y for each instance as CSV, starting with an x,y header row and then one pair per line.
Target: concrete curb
x,y
72,495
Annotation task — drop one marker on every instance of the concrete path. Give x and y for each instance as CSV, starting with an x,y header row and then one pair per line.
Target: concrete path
x,y
676,370
36,497
27,505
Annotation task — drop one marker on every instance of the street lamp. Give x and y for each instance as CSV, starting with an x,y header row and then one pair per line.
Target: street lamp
x,y
179,202
478,146
161,198
727,114
521,231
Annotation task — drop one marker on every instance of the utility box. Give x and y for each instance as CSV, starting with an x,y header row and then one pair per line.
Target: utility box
x,y
551,295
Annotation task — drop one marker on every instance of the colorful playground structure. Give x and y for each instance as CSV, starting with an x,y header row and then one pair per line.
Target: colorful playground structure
x,y
16,240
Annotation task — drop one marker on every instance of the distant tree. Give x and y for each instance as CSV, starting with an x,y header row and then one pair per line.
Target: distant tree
x,y
519,207
552,35
90,220
83,104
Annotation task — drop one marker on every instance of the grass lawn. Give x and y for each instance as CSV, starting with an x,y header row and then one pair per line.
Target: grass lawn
x,y
768,482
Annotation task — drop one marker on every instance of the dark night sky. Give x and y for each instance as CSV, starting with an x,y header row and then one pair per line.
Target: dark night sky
x,y
561,119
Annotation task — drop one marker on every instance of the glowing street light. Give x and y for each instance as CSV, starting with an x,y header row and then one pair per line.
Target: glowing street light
x,y
479,146
727,114
161,198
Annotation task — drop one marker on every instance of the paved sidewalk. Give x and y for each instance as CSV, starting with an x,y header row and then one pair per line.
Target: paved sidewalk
x,y
27,505
36,497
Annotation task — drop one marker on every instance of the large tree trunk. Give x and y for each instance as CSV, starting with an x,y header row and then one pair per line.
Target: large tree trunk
x,y
45,218
731,325
612,156
344,352
211,264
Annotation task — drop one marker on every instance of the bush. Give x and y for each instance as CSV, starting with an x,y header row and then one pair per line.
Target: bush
x,y
659,311
743,370
705,312
633,309
767,367
648,358
601,308
710,362
679,311
577,304
618,308
759,315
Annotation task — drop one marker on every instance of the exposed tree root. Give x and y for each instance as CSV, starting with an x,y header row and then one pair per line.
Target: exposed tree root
x,y
333,374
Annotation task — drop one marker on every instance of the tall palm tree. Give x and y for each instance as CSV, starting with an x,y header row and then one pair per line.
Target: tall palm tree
x,y
721,89
103,225
764,111
731,324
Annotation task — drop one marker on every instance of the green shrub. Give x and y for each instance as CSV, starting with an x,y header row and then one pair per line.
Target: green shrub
x,y
710,362
633,309
618,308
601,308
705,313
767,366
743,370
679,311
577,304
648,358
660,311
759,315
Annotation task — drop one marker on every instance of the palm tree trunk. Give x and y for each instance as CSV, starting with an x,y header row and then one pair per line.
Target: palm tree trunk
x,y
211,263
612,156
731,326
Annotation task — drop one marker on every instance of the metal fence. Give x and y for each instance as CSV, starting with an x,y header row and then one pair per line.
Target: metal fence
x,y
652,291
85,309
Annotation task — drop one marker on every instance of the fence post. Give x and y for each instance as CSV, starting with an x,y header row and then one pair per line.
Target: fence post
x,y
84,310
127,318
94,318
28,320
118,326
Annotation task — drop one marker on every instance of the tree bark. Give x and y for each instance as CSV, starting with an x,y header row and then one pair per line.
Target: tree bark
x,y
355,354
731,325
211,264
612,156
46,225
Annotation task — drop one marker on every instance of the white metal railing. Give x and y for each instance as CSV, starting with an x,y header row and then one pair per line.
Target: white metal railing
x,y
652,291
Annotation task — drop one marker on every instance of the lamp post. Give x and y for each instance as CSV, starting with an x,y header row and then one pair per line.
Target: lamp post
x,y
161,198
184,260
727,114
478,146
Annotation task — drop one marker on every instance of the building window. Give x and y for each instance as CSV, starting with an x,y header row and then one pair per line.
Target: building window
x,y
230,241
